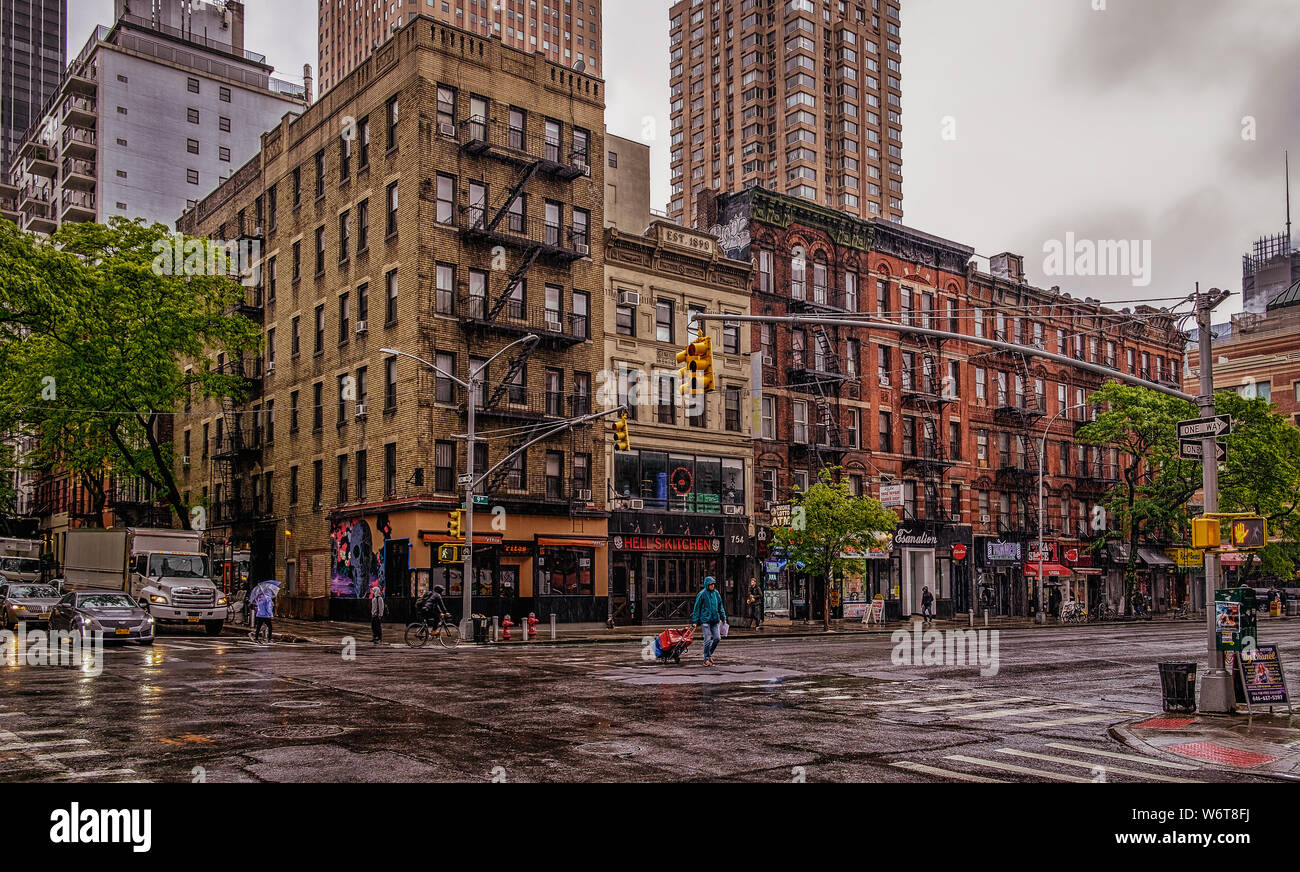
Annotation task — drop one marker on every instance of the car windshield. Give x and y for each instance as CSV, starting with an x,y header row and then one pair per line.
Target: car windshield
x,y
178,566
106,601
21,564
19,591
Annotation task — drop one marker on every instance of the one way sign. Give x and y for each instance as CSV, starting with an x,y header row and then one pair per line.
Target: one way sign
x,y
1194,451
1202,427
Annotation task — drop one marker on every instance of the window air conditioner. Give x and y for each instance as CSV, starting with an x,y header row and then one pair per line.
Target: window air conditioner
x,y
361,327
629,298
636,505
447,129
361,411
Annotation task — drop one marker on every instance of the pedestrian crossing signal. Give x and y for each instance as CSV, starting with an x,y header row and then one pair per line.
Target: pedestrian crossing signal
x,y
1205,533
1249,533
454,524
621,441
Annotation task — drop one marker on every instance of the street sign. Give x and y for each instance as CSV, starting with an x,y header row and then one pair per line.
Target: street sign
x,y
481,500
891,495
1196,451
463,480
1219,425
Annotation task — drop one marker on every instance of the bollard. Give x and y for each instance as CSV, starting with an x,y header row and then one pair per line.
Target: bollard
x,y
986,617
552,626
496,629
972,617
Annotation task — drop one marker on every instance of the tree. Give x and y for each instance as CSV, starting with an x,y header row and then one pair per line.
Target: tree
x,y
828,521
95,339
1155,485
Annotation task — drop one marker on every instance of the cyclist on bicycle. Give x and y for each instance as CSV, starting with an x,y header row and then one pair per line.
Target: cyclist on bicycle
x,y
431,604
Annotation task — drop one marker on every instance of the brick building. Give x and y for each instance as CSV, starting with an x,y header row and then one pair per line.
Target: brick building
x,y
439,200
949,426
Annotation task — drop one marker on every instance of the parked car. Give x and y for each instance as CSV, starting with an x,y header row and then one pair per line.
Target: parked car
x,y
111,612
27,603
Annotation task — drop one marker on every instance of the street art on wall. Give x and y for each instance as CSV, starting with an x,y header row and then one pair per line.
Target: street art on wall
x,y
354,563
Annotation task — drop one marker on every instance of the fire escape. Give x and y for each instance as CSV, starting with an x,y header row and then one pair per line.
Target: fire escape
x,y
1018,407
925,394
239,432
818,373
508,313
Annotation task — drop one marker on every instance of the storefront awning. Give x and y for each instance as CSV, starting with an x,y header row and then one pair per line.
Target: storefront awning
x,y
571,543
1154,557
1050,570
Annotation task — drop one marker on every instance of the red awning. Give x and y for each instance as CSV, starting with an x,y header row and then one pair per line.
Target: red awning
x,y
572,543
1050,570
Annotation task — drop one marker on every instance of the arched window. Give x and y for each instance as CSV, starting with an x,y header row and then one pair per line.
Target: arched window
x,y
798,273
819,280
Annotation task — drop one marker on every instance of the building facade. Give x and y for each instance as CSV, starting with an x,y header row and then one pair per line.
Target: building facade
x,y
458,212
152,114
627,184
946,431
565,31
33,36
681,499
801,97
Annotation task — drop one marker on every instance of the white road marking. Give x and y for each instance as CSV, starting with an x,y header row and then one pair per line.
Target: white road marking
x,y
40,732
1086,764
31,746
98,773
1001,713
939,708
902,702
1085,719
1023,770
69,755
945,773
1133,757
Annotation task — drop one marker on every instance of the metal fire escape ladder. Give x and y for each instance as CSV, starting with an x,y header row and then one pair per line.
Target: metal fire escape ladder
x,y
524,179
827,399
517,364
516,277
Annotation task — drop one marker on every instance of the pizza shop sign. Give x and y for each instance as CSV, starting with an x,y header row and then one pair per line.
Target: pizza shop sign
x,y
669,544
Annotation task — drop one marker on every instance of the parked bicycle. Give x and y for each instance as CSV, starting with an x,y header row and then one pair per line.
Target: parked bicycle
x,y
1101,612
1072,612
419,633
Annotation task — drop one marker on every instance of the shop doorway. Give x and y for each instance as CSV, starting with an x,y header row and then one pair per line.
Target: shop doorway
x,y
670,585
918,572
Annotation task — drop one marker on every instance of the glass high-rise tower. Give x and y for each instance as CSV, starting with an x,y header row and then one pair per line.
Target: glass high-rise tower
x,y
33,38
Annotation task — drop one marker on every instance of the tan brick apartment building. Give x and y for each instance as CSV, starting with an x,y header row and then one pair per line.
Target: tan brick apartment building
x,y
439,200
681,499
950,425
565,31
799,96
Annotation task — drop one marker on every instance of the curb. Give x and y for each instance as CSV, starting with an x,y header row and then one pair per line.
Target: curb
x,y
1125,736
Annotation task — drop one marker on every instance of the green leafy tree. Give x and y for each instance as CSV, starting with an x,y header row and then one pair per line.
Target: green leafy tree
x,y
828,521
1155,485
94,345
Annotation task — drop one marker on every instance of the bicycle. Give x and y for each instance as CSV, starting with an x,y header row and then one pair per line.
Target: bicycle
x,y
1102,612
1073,613
418,633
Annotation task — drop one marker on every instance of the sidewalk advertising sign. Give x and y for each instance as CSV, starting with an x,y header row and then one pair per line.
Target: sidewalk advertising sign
x,y
1260,680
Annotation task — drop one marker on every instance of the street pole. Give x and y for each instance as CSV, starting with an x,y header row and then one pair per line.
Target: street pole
x,y
467,577
1217,694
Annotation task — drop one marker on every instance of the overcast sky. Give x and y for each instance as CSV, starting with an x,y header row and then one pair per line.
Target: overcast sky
x,y
1133,122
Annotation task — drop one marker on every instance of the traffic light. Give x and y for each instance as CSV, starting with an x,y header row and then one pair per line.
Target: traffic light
x,y
696,372
454,522
1205,533
1249,533
621,441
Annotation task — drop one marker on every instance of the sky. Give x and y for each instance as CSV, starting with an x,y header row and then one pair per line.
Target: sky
x,y
1029,126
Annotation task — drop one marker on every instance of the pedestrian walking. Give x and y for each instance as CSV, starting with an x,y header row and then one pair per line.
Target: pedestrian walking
x,y
265,610
376,614
754,602
927,604
710,614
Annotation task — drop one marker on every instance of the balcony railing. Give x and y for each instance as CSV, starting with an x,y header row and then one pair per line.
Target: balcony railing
x,y
480,136
557,241
516,316
77,137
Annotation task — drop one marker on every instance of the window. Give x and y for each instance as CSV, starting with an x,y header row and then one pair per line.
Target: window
x,y
390,298
319,345
581,315
319,160
345,311
363,144
769,418
318,483
293,485
799,417
851,291
320,250
392,209
363,226
317,406
224,93
886,443
192,115
391,115
342,461
444,462
731,412
192,84
798,281
192,146
666,409
730,338
882,297
361,476
664,321
223,124
192,176
444,288
223,154
982,449
295,337
765,271
855,428
345,235
390,469
954,440
446,199
390,384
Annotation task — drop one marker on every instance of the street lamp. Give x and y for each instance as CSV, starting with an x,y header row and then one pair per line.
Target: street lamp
x,y
1041,616
471,392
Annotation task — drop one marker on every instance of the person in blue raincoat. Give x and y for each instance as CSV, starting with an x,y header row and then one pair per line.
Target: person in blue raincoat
x,y
710,614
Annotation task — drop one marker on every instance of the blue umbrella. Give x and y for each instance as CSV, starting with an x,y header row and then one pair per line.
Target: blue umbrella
x,y
270,588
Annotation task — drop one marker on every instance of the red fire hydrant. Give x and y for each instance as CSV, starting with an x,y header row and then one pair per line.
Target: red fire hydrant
x,y
532,626
505,627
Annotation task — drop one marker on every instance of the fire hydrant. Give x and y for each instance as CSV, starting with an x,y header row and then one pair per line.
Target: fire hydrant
x,y
505,627
532,626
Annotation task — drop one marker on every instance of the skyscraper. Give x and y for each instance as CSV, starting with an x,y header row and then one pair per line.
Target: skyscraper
x,y
566,31
803,97
32,54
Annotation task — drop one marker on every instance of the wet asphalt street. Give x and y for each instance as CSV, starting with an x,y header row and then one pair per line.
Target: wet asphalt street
x,y
815,709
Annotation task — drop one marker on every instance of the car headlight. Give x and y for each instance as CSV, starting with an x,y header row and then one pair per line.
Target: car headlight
x,y
155,598
18,607
221,600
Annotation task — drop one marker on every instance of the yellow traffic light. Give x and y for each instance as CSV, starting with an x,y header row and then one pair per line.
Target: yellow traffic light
x,y
621,441
686,372
453,524
696,366
704,353
1249,533
1205,533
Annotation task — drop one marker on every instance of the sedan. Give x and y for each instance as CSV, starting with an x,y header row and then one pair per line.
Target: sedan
x,y
27,603
112,613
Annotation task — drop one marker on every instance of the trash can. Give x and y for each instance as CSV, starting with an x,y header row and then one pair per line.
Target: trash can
x,y
481,624
1178,686
1293,609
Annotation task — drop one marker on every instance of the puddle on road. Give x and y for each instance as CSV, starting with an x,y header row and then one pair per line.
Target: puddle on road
x,y
652,676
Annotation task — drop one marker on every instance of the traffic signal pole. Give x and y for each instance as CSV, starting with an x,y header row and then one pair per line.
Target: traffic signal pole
x,y
1217,695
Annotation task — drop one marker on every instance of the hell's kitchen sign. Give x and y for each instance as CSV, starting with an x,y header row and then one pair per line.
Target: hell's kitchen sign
x,y
669,544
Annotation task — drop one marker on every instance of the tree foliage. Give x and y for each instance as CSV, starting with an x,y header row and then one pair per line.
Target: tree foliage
x,y
94,347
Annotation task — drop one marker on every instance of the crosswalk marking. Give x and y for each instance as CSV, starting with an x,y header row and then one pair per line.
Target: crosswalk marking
x,y
945,773
1087,764
1015,711
965,705
923,699
26,746
96,773
70,755
1083,719
1023,770
1079,749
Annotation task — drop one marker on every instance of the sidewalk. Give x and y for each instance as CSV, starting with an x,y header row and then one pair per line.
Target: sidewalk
x,y
336,632
1267,747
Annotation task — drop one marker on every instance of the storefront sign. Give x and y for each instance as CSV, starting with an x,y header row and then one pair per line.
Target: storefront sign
x,y
1185,558
959,552
781,515
915,537
682,481
516,550
1045,550
891,495
669,544
997,551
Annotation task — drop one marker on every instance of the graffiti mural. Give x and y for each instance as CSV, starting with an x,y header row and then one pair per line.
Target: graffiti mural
x,y
354,564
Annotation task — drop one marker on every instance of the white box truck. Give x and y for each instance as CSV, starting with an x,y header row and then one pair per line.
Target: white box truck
x,y
165,569
20,560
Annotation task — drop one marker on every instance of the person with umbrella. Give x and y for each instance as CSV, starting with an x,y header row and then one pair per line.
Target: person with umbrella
x,y
262,599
